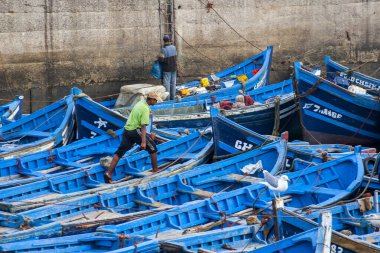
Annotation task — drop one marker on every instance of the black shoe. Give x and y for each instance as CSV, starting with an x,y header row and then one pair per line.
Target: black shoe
x,y
107,179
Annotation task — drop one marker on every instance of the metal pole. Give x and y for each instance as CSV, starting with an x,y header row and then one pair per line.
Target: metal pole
x,y
376,200
160,20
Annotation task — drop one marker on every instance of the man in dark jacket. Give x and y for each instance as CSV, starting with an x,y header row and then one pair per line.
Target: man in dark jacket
x,y
168,57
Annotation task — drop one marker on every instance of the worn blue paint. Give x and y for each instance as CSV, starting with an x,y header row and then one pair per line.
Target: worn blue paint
x,y
90,177
332,114
294,223
348,217
11,111
94,242
94,119
66,156
174,190
302,242
232,138
259,117
41,130
260,79
30,165
335,70
172,133
238,238
306,188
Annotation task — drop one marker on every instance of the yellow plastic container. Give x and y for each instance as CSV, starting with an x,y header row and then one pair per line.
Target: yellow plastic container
x,y
205,82
242,78
184,92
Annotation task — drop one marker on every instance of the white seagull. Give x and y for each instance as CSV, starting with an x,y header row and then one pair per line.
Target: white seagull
x,y
276,184
373,219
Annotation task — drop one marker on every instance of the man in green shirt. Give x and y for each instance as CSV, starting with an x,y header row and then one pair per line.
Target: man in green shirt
x,y
135,132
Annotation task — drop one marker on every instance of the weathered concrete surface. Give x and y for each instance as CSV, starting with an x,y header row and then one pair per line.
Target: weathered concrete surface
x,y
304,31
47,46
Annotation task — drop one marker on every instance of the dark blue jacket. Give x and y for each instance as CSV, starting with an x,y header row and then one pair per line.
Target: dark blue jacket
x,y
169,63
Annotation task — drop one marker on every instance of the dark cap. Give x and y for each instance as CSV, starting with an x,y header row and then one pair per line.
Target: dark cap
x,y
166,37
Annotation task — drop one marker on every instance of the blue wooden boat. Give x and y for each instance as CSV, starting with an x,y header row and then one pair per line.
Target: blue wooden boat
x,y
351,217
11,111
94,242
242,239
306,189
41,130
40,165
87,151
89,116
234,239
332,114
232,138
256,69
293,223
199,102
201,182
239,238
273,110
336,72
194,149
147,194
109,103
94,119
373,238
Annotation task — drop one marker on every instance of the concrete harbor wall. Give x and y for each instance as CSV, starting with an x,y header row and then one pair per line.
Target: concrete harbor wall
x,y
48,46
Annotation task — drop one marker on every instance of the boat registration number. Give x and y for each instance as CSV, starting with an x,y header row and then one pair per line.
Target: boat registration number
x,y
324,111
338,249
243,145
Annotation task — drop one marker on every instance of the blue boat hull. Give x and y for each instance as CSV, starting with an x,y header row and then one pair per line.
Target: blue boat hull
x,y
261,62
12,111
94,119
90,177
335,69
292,223
332,114
42,130
260,117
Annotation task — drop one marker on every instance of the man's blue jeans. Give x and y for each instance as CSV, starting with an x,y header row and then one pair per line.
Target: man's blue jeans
x,y
169,81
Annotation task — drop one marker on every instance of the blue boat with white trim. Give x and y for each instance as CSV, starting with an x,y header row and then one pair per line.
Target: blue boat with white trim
x,y
345,76
332,114
272,111
90,177
11,111
256,70
42,130
218,200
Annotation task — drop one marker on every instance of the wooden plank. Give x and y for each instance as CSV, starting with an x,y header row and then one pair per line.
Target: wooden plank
x,y
154,204
90,226
187,156
244,178
203,194
56,168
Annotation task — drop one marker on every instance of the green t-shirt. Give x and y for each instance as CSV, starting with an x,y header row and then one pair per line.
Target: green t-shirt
x,y
139,116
